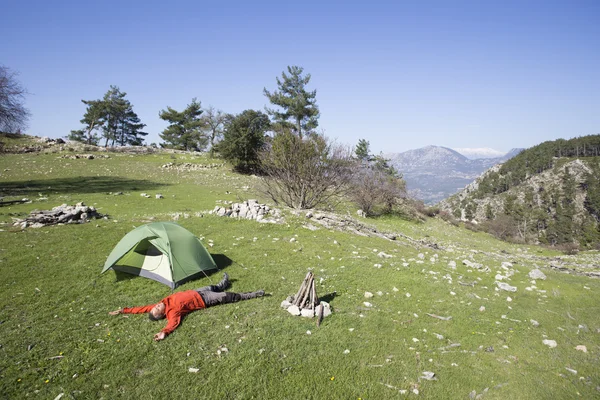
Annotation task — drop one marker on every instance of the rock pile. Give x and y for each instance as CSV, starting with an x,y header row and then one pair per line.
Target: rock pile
x,y
249,209
63,214
84,156
306,303
190,166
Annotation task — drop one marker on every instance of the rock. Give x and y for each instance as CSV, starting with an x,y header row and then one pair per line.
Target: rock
x,y
368,295
452,264
506,286
427,375
307,312
534,323
326,309
384,255
367,304
581,348
550,343
537,274
294,310
159,196
285,304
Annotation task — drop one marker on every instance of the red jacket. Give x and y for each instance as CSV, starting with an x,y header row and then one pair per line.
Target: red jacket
x,y
177,305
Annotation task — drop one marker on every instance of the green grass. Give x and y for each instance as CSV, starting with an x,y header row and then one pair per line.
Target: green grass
x,y
54,302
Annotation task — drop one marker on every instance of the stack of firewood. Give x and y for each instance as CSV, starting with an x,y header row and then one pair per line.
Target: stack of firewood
x,y
307,295
306,302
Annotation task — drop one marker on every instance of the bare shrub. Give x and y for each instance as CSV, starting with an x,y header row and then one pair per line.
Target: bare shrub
x,y
305,172
503,227
568,248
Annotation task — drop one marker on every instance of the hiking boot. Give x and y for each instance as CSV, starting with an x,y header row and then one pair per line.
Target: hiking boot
x,y
252,295
224,284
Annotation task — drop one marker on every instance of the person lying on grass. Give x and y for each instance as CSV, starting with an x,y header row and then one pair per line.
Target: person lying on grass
x,y
177,305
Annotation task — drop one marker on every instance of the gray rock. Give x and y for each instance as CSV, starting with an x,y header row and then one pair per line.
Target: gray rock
x,y
537,274
506,286
285,304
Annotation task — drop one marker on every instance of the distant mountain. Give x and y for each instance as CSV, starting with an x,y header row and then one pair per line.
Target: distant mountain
x,y
549,193
474,154
433,173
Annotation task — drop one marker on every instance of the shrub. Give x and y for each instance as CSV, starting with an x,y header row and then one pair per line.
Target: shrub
x,y
305,172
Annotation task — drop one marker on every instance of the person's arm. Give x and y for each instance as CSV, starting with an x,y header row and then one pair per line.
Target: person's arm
x,y
133,310
174,319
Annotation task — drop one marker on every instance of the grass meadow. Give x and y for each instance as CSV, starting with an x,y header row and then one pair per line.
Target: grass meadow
x,y
57,339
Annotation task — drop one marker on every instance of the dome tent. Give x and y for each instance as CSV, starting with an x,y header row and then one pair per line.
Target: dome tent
x,y
163,251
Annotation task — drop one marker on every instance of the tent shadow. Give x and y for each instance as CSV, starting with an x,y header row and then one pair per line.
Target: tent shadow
x,y
222,262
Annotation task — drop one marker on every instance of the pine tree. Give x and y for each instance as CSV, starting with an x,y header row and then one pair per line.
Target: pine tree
x,y
299,106
362,150
113,115
115,107
92,119
185,129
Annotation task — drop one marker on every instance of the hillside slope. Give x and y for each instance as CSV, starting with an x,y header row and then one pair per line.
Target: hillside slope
x,y
538,196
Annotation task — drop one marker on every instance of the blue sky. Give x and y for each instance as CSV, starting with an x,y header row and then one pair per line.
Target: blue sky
x,y
400,74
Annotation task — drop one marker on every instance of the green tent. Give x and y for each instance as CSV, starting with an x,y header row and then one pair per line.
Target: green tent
x,y
163,251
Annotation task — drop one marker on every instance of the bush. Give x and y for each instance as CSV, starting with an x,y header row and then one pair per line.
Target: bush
x,y
305,172
568,248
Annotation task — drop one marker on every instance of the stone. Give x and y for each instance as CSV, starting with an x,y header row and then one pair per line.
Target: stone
x,y
581,348
307,312
294,310
550,343
506,286
537,274
428,375
368,295
159,196
285,304
326,309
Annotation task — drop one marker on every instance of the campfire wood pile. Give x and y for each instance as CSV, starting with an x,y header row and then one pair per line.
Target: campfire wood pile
x,y
63,214
306,302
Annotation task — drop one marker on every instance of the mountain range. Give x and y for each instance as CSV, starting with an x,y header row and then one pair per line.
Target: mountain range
x,y
433,173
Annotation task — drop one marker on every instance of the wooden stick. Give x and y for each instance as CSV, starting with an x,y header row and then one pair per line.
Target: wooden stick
x,y
314,299
319,314
300,292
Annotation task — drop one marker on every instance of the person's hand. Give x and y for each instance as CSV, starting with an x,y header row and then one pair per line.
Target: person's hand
x,y
116,312
159,336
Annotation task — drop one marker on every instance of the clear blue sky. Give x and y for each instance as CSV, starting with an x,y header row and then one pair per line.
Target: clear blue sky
x,y
401,74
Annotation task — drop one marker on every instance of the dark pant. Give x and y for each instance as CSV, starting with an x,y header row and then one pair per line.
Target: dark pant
x,y
212,296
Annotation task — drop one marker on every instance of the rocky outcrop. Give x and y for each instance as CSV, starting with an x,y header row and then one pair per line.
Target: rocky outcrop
x,y
63,214
249,209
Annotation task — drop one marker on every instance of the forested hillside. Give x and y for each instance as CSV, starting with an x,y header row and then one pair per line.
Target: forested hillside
x,y
549,193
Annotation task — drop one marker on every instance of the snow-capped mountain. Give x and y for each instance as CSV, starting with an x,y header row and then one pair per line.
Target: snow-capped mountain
x,y
433,173
475,153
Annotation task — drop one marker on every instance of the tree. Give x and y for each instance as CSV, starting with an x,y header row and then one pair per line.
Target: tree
x,y
93,120
13,114
214,124
185,129
243,137
305,172
298,105
362,151
114,116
